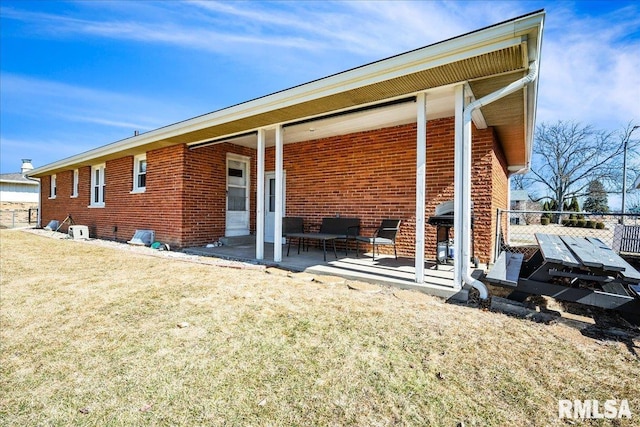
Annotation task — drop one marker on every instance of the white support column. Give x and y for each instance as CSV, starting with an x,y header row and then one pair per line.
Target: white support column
x,y
421,175
277,238
458,183
260,195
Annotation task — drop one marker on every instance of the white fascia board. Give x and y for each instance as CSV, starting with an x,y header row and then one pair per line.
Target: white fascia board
x,y
15,181
462,47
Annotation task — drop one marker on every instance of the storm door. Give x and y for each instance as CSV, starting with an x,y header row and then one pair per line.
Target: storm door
x,y
237,223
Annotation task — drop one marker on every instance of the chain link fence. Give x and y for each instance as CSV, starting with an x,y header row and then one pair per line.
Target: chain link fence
x,y
18,218
517,228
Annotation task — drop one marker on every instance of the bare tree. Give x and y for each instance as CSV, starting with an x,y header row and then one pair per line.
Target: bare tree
x,y
518,182
567,156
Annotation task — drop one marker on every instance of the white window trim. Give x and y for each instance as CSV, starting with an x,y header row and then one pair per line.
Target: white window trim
x,y
136,171
101,185
75,183
53,187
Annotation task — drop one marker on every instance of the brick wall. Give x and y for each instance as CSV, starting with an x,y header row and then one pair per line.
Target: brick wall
x,y
370,175
205,188
500,191
159,208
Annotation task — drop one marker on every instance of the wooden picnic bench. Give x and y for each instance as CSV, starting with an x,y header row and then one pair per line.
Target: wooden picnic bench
x,y
569,268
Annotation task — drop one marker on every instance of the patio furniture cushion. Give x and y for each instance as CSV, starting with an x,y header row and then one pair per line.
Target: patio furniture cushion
x,y
376,240
385,234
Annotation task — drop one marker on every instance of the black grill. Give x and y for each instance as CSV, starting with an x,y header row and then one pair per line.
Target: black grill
x,y
443,221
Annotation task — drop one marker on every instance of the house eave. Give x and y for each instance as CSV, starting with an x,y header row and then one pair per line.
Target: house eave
x,y
494,51
14,181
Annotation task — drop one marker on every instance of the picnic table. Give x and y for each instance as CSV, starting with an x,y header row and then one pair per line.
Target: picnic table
x,y
577,269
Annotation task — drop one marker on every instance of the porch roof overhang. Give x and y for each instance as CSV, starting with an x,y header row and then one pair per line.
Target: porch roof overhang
x,y
484,60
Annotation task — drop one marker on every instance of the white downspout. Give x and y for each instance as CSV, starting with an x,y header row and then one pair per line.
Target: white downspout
x,y
462,199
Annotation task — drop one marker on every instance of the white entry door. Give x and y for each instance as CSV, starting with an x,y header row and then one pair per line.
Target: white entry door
x,y
270,205
237,223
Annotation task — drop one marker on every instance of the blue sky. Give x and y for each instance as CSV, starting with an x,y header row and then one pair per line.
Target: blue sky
x,y
78,75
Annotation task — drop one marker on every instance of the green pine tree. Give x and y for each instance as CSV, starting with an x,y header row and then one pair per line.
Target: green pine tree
x,y
597,200
574,206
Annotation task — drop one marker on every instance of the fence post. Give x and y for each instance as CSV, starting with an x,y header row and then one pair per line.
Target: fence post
x,y
496,251
13,218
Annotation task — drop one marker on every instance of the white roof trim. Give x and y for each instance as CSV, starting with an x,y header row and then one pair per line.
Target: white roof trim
x,y
15,181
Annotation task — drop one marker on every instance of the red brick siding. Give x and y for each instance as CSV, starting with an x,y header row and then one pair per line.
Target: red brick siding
x,y
483,180
370,175
500,190
159,208
205,188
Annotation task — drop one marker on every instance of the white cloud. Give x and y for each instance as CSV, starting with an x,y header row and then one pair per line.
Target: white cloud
x,y
366,28
589,70
37,97
48,120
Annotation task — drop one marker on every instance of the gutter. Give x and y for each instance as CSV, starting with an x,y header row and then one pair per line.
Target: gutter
x,y
462,192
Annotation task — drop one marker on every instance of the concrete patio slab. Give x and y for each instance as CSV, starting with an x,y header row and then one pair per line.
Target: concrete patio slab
x,y
385,270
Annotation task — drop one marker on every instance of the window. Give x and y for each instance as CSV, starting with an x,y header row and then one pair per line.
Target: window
x,y
97,185
139,173
74,184
272,195
237,185
54,187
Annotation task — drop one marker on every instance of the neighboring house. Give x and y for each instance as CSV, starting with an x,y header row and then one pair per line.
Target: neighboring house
x,y
519,199
390,139
16,188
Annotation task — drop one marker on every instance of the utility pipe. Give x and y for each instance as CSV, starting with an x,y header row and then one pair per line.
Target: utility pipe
x,y
462,196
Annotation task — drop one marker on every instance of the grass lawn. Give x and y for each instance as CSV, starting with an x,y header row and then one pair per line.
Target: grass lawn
x,y
89,336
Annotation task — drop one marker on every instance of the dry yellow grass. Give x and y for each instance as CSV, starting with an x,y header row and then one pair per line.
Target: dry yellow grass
x,y
90,336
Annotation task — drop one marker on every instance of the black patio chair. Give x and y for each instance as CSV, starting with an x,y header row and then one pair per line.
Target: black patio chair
x,y
293,228
384,235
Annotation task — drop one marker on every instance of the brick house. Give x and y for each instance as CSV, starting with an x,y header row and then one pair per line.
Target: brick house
x,y
390,139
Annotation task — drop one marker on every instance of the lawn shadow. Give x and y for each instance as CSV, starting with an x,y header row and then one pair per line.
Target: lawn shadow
x,y
592,322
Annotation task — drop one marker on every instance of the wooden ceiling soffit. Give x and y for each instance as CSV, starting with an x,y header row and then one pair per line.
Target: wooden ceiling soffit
x,y
506,115
499,62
